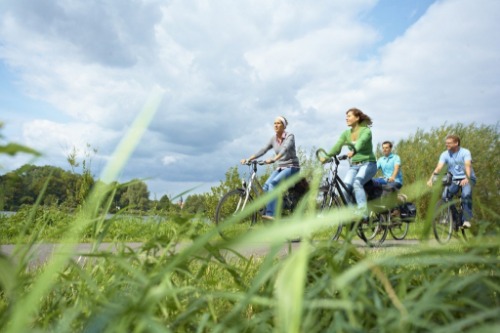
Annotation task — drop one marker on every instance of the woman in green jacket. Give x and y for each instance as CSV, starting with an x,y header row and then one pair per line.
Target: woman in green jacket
x,y
363,161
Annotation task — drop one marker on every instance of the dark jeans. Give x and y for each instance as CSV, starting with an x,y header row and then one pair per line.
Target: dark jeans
x,y
383,181
466,198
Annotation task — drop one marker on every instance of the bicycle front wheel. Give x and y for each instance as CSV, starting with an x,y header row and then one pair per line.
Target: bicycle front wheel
x,y
327,203
458,213
231,204
442,223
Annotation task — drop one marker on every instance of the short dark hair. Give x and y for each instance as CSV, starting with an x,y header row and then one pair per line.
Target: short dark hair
x,y
387,143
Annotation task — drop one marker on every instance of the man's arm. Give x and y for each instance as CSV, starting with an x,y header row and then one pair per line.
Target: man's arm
x,y
438,168
467,166
394,173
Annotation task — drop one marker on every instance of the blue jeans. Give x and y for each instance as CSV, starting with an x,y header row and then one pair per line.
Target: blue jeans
x,y
273,180
466,198
392,185
356,177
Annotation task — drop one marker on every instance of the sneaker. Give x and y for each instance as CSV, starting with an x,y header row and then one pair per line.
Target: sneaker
x,y
466,225
267,217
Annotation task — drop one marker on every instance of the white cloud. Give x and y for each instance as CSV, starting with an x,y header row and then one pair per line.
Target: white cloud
x,y
169,159
228,68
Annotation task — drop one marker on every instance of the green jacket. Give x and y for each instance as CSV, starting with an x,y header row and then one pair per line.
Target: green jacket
x,y
363,146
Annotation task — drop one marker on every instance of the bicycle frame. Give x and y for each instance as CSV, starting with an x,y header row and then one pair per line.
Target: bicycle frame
x,y
448,217
336,186
253,184
369,229
456,213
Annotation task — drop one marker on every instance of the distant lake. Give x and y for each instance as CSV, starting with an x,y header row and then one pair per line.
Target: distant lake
x,y
146,218
3,212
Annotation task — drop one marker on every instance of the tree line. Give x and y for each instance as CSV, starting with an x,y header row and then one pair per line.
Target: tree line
x,y
68,190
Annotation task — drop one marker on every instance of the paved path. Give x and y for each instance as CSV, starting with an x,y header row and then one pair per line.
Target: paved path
x,y
42,252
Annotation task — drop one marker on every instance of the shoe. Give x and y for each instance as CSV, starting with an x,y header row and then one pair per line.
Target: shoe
x,y
466,225
267,217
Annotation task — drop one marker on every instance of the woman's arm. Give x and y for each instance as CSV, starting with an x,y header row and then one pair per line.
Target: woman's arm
x,y
335,150
261,152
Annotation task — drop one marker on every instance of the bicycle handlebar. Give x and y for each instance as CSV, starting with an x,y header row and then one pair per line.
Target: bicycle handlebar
x,y
255,162
335,158
446,180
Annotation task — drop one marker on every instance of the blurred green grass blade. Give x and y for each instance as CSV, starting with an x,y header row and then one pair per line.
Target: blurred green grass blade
x,y
29,305
8,275
133,137
472,320
289,291
14,148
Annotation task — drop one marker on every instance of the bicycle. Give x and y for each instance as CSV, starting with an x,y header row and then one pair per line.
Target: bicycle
x,y
335,194
448,216
235,201
399,217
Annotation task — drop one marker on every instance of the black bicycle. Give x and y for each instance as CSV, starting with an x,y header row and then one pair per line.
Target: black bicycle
x,y
236,201
448,215
336,195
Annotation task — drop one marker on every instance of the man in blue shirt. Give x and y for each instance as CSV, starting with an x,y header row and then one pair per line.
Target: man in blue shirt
x,y
459,161
390,165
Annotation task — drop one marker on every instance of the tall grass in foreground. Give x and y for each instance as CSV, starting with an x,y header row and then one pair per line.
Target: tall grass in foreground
x,y
208,285
202,287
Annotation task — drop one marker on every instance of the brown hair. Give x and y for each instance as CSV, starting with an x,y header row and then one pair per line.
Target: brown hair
x,y
454,137
363,118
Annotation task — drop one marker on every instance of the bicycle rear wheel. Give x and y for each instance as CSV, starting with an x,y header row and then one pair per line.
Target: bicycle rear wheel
x,y
399,229
374,231
231,204
442,223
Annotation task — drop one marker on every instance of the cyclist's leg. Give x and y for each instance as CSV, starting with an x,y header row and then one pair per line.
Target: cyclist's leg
x,y
467,202
268,187
365,172
349,180
268,184
452,191
395,185
273,181
380,181
390,195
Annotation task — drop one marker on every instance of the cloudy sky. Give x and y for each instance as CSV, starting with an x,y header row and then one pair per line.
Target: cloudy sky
x,y
74,73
